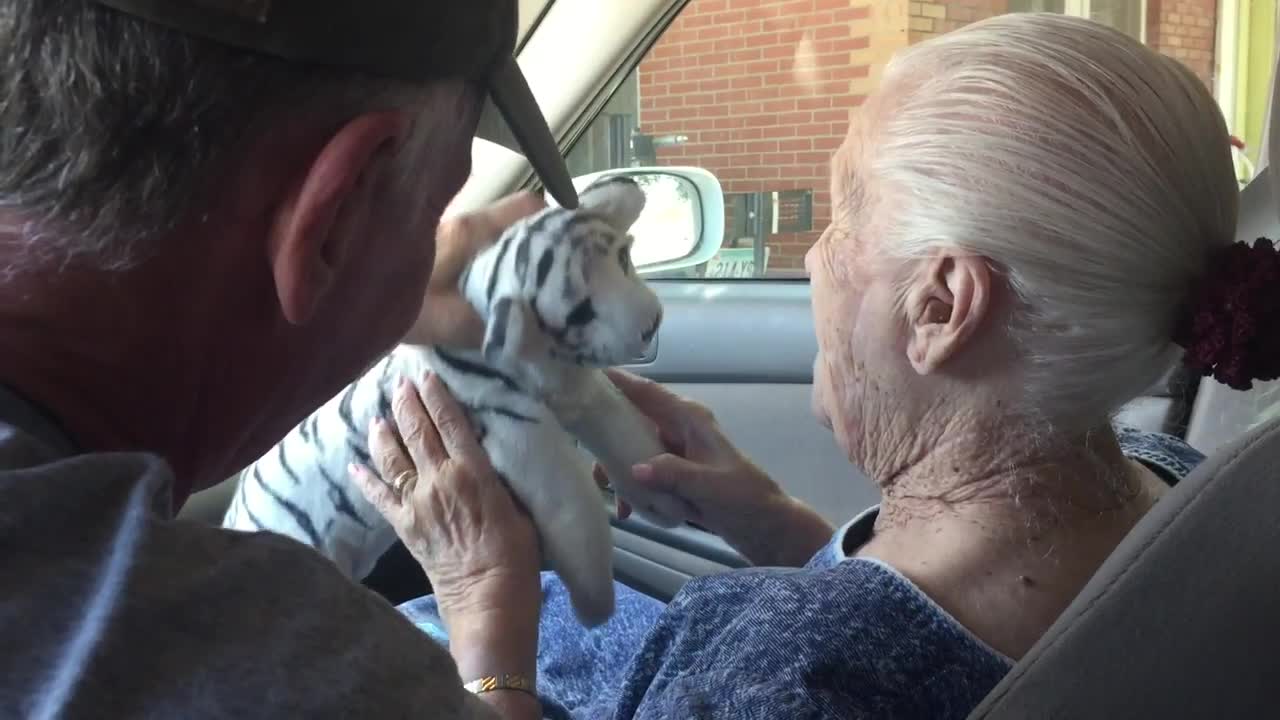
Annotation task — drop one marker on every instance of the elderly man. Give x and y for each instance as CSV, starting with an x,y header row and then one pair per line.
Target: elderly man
x,y
215,213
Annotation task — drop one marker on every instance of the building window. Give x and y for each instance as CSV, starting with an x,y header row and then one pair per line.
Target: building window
x,y
1127,16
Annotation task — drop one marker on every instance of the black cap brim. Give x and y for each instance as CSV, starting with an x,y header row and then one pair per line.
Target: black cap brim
x,y
409,39
512,119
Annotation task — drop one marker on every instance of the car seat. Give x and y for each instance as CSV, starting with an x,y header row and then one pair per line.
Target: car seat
x,y
1181,620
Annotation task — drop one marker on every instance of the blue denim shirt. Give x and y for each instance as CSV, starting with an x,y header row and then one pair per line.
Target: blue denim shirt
x,y
841,637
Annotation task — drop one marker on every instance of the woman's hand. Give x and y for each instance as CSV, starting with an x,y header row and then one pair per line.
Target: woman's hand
x,y
446,317
478,548
721,489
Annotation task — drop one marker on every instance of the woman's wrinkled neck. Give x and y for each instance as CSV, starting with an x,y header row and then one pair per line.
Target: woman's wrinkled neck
x,y
1007,471
1002,524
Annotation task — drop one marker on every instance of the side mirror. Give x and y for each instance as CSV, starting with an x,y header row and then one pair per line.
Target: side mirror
x,y
682,224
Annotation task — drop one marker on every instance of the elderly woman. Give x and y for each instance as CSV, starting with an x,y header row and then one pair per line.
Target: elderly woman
x,y
1022,213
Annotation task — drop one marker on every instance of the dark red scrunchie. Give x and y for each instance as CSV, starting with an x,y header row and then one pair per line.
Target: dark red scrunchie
x,y
1231,329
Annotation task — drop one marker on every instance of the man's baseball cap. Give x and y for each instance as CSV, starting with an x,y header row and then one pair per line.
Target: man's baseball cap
x,y
412,40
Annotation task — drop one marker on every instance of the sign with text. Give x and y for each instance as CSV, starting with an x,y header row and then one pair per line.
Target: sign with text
x,y
736,263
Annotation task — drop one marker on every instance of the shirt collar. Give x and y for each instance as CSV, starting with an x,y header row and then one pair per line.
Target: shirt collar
x,y
21,412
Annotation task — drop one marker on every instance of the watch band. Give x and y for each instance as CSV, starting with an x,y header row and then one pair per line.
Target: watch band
x,y
506,681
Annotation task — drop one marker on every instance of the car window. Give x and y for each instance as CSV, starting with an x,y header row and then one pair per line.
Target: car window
x,y
759,93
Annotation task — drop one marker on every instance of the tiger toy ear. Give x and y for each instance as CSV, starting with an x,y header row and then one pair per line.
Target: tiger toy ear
x,y
511,335
618,199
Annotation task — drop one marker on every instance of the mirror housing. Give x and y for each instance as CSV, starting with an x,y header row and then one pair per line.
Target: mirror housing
x,y
682,224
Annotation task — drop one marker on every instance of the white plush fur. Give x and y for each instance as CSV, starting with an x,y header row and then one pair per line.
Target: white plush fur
x,y
533,390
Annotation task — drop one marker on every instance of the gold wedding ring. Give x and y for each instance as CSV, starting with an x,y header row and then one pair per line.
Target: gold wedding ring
x,y
402,481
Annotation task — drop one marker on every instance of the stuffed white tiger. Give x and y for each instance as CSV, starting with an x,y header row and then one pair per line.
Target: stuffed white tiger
x,y
560,299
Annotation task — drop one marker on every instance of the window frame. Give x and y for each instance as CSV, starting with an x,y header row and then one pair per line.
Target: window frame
x,y
1082,8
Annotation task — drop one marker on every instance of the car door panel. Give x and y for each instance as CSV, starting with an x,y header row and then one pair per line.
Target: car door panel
x,y
745,349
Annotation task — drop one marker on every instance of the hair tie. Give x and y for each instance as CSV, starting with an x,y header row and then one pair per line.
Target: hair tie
x,y
1231,327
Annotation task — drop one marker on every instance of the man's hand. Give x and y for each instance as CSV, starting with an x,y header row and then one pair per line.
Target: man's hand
x,y
446,318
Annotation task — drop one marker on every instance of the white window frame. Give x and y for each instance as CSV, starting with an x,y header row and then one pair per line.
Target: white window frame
x,y
1081,8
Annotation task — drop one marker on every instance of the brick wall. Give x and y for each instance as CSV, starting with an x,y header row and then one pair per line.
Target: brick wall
x,y
763,90
1186,30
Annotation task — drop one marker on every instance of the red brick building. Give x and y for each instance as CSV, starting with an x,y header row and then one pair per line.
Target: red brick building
x,y
759,91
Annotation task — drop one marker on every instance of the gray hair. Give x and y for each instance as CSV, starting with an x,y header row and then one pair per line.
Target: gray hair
x,y
108,124
1093,173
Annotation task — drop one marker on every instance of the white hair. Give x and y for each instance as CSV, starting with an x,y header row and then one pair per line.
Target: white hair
x,y
1093,173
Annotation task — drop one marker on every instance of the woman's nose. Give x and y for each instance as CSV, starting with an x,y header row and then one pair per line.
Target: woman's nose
x,y
809,259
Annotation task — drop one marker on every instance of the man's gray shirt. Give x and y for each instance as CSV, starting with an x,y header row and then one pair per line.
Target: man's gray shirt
x,y
110,608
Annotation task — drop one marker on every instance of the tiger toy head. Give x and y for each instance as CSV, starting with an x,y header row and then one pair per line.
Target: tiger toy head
x,y
560,284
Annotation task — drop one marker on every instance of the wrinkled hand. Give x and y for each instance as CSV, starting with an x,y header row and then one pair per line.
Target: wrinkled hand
x,y
477,547
446,318
721,489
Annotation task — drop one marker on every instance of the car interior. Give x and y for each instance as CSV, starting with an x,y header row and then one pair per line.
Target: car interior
x,y
1175,624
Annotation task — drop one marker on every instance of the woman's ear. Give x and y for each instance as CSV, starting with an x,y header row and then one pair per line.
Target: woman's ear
x,y
307,247
945,305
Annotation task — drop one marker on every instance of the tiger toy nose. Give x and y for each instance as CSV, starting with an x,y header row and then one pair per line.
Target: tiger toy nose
x,y
648,333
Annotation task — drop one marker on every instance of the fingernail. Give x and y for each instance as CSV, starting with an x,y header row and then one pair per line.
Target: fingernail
x,y
405,385
376,424
353,470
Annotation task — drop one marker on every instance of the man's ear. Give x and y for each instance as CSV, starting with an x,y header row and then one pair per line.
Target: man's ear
x,y
945,305
306,251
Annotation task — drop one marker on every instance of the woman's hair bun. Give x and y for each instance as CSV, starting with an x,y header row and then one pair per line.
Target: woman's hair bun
x,y
1231,324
